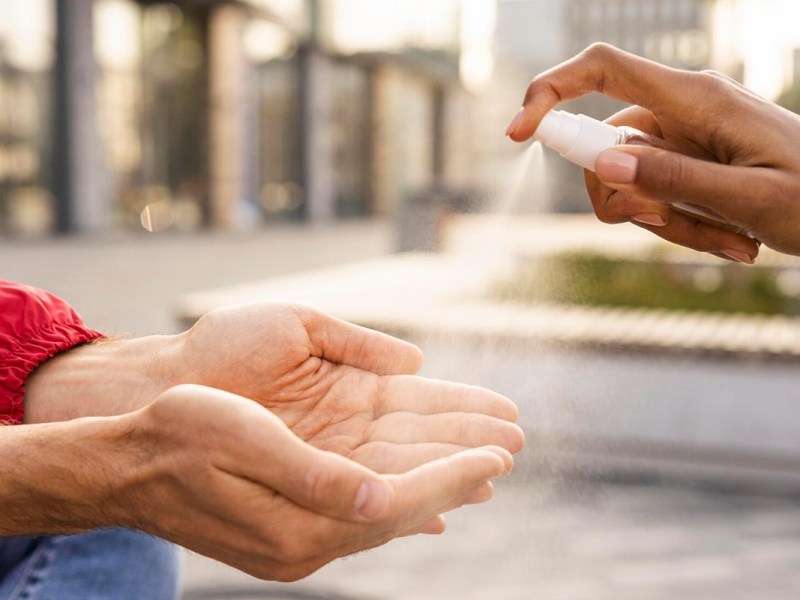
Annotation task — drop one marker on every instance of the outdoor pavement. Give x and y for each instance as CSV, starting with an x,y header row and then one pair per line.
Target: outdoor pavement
x,y
547,534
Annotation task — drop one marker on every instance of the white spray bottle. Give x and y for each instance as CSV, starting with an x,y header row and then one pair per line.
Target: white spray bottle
x,y
580,139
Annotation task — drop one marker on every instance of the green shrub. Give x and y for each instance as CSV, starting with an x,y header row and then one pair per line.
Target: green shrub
x,y
597,280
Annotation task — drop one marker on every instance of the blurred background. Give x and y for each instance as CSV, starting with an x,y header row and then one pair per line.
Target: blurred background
x,y
161,159
118,115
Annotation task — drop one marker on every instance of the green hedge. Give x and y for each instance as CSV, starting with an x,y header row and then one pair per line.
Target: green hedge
x,y
597,280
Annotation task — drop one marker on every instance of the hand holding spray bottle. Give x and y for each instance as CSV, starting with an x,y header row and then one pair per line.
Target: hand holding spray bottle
x,y
580,139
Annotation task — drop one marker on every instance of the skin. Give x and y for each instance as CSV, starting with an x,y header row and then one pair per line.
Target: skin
x,y
730,151
337,386
223,476
342,450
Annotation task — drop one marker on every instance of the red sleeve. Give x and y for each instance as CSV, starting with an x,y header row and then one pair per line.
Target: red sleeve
x,y
34,326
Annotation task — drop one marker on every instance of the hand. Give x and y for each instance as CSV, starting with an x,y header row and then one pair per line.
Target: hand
x,y
739,153
224,477
343,388
340,387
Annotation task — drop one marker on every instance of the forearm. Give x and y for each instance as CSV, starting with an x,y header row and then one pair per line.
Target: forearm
x,y
63,477
100,379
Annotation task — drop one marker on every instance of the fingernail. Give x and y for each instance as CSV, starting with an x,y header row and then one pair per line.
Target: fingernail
x,y
512,127
613,166
372,499
739,256
649,219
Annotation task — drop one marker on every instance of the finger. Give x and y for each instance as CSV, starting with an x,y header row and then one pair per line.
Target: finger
x,y
697,235
433,486
479,495
615,207
435,526
644,120
388,457
616,74
740,195
431,396
345,343
621,208
268,453
465,429
420,496
637,117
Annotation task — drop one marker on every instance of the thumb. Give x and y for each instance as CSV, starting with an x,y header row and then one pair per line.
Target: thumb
x,y
333,485
670,177
322,482
345,343
248,441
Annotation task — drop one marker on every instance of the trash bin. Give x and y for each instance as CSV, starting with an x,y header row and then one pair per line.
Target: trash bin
x,y
423,214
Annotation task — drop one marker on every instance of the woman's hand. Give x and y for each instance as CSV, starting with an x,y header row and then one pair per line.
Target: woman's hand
x,y
740,154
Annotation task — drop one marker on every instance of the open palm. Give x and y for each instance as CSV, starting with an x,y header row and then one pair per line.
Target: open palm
x,y
344,388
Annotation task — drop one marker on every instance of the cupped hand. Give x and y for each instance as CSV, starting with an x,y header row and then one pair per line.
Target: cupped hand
x,y
341,387
221,475
731,152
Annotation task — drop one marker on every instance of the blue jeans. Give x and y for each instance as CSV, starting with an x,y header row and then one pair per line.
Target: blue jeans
x,y
117,564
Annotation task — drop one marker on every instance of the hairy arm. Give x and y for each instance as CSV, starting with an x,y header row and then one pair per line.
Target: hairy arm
x,y
61,477
225,477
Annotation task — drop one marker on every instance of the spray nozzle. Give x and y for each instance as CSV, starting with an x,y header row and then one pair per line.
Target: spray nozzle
x,y
577,138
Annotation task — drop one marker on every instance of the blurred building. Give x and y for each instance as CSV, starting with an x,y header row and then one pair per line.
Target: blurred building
x,y
673,32
534,35
178,115
757,41
121,114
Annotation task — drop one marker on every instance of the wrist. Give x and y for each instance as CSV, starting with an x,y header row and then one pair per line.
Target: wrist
x,y
61,478
101,379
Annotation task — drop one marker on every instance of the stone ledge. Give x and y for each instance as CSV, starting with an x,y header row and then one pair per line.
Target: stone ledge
x,y
444,295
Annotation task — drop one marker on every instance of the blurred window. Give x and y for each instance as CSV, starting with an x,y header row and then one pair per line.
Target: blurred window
x,y
648,10
152,117
281,194
350,139
26,66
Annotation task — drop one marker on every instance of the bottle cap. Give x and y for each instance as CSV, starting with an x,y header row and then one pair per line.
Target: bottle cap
x,y
577,138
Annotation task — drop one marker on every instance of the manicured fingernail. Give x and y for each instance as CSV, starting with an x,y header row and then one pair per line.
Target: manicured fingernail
x,y
739,256
372,499
649,219
512,127
613,166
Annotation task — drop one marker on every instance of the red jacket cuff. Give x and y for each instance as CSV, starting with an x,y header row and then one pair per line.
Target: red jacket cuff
x,y
34,326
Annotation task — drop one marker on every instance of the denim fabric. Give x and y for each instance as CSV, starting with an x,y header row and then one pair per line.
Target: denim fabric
x,y
116,564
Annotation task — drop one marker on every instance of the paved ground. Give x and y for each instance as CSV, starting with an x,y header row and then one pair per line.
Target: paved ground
x,y
130,284
546,535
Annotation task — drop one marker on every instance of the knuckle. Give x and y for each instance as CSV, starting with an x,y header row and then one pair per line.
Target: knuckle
x,y
714,73
289,548
676,176
661,174
609,208
538,87
291,574
608,217
318,482
770,193
600,52
310,318
726,81
715,83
